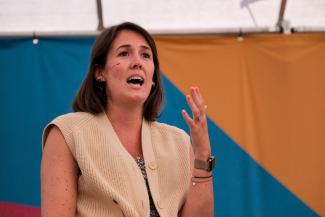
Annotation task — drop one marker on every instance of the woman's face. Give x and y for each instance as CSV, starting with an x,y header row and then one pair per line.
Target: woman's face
x,y
129,69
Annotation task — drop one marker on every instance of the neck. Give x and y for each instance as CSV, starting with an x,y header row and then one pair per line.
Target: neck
x,y
126,117
127,123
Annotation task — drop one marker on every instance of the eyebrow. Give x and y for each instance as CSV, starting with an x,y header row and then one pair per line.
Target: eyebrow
x,y
128,45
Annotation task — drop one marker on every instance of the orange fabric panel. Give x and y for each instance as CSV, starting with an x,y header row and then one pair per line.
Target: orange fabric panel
x,y
267,92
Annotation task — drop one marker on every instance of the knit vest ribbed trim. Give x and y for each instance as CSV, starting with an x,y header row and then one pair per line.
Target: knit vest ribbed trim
x,y
148,156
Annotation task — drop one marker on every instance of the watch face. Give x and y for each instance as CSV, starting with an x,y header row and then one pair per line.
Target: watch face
x,y
205,165
212,162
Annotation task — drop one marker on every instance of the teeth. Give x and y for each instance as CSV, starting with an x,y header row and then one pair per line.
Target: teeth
x,y
135,77
136,80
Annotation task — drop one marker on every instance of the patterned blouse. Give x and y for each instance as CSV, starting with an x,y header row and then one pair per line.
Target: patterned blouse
x,y
142,166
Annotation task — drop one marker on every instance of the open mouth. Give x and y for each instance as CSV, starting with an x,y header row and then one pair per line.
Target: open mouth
x,y
137,80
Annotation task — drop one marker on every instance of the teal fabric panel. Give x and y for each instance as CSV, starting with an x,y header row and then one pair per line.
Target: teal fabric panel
x,y
38,83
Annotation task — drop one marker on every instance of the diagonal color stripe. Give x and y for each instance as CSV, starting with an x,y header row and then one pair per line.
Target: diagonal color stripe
x,y
242,187
267,93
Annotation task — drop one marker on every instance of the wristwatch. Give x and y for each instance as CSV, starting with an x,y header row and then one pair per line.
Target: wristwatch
x,y
205,165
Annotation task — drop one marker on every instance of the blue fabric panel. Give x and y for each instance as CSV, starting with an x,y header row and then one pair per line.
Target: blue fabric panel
x,y
38,82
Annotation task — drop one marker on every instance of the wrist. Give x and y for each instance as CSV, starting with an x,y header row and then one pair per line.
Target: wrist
x,y
201,179
204,165
202,155
201,173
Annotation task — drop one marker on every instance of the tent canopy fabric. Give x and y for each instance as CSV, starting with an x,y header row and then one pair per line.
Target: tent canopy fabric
x,y
161,16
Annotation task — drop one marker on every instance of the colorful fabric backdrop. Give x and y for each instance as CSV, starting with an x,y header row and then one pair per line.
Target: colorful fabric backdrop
x,y
265,97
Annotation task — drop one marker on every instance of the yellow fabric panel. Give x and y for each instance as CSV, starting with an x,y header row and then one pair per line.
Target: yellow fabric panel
x,y
266,92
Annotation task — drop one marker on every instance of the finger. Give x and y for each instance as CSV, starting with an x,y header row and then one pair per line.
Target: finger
x,y
195,110
194,96
199,96
187,118
198,99
203,107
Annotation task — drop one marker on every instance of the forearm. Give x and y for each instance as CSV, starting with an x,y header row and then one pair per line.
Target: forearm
x,y
199,201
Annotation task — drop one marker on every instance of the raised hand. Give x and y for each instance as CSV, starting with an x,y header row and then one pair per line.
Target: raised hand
x,y
198,124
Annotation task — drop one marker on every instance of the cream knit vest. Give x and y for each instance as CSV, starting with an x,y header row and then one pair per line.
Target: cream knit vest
x,y
111,183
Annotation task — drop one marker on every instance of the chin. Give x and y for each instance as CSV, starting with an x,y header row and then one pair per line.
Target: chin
x,y
138,99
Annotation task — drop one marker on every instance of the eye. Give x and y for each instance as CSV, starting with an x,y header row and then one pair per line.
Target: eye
x,y
146,55
123,53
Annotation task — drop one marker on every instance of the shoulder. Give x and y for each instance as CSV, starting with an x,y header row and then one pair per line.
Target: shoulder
x,y
72,122
169,130
73,118
170,142
166,127
67,124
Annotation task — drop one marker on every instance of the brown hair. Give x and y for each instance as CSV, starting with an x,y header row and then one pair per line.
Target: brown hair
x,y
92,95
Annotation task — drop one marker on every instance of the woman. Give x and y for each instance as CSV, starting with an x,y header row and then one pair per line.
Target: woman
x,y
110,157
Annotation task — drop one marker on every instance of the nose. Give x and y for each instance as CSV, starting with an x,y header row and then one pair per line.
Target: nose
x,y
136,62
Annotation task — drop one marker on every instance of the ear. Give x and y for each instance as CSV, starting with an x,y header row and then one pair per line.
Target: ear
x,y
99,75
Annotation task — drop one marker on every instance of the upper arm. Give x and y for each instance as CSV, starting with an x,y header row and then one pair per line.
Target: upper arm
x,y
59,173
